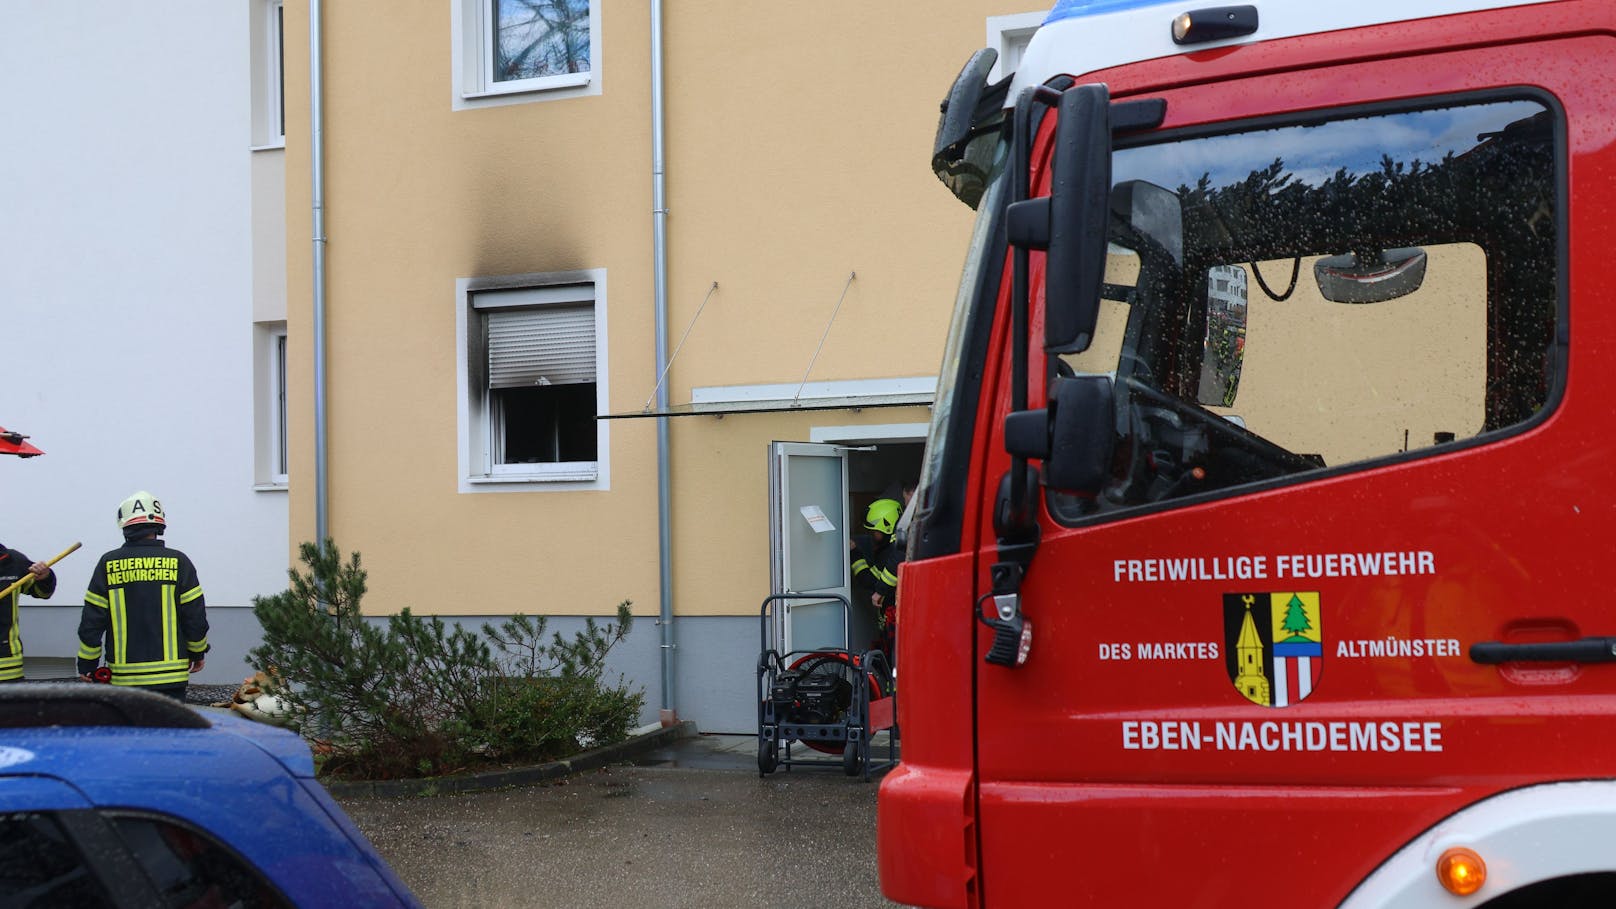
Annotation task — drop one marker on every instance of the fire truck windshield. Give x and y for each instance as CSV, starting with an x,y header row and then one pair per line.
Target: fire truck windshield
x,y
1323,293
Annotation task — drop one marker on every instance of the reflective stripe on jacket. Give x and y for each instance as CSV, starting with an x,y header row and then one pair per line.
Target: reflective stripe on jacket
x,y
877,572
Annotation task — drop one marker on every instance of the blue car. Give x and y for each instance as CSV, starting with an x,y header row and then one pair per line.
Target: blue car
x,y
119,798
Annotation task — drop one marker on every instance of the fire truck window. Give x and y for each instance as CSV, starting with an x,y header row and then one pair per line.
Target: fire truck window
x,y
1352,383
1327,294
1121,270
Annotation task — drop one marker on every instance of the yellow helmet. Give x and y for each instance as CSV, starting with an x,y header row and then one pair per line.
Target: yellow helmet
x,y
141,508
883,515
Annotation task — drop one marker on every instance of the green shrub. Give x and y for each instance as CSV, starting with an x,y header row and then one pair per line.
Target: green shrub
x,y
416,697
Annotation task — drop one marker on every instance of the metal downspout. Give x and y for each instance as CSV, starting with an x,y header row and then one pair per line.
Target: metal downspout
x,y
317,181
659,242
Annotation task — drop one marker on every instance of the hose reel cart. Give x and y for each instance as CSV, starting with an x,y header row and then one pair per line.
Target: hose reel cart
x,y
832,700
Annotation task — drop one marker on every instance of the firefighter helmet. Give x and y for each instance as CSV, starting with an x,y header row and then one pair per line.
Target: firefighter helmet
x,y
883,515
141,508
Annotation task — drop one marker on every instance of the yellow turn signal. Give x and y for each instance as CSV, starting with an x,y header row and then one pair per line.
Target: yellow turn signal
x,y
1461,871
1181,27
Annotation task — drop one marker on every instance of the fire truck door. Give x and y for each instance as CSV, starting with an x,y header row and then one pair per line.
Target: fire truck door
x,y
808,541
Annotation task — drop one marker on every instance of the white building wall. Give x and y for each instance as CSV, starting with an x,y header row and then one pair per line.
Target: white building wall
x,y
126,303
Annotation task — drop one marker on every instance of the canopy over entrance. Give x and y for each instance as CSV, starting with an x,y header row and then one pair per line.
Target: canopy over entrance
x,y
854,394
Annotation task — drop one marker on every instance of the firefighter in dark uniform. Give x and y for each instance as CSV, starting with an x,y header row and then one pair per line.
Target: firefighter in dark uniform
x,y
875,566
145,604
14,566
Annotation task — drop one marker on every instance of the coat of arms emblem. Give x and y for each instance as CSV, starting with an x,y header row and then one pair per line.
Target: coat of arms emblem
x,y
1274,644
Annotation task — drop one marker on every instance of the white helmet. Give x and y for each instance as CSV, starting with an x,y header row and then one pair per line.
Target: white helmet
x,y
141,508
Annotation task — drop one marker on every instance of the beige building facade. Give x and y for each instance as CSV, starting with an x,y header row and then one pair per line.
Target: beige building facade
x,y
490,288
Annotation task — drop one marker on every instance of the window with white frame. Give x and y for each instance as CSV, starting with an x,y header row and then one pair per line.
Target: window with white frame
x,y
278,459
509,47
1010,35
534,380
269,410
268,35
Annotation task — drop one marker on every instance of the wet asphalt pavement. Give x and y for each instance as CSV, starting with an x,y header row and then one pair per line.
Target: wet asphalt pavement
x,y
688,825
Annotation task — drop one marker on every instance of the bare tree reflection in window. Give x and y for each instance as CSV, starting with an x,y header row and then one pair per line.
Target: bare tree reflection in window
x,y
536,38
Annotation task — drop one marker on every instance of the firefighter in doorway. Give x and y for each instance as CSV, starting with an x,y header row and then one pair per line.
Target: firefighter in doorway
x,y
875,567
146,603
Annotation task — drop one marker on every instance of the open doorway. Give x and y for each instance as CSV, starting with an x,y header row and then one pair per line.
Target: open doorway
x,y
874,471
820,492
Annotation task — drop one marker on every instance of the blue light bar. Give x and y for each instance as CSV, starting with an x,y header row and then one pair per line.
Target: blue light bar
x,y
1077,9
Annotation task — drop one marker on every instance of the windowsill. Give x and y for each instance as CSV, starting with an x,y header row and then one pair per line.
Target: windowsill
x,y
552,83
574,476
270,487
273,146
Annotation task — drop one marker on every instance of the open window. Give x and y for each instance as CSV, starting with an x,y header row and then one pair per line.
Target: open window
x,y
534,381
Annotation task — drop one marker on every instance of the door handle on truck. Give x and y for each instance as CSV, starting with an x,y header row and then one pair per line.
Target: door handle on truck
x,y
1584,650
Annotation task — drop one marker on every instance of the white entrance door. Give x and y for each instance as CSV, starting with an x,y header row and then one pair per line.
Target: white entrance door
x,y
808,542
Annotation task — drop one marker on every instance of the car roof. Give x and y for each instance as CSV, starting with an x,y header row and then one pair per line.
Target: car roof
x,y
72,717
72,745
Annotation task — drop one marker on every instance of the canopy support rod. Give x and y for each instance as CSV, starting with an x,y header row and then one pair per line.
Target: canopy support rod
x,y
676,348
850,276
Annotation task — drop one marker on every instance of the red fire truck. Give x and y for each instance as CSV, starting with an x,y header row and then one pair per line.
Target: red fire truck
x,y
1268,495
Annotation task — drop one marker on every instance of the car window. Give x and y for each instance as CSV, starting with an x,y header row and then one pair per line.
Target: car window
x,y
190,869
40,867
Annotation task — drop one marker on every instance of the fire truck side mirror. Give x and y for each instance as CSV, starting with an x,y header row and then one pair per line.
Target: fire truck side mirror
x,y
1082,434
1075,436
958,110
1080,188
969,121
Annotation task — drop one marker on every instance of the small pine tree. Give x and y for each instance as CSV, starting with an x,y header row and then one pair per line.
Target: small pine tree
x,y
415,696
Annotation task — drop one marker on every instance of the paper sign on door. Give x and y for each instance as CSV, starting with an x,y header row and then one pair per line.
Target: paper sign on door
x,y
816,519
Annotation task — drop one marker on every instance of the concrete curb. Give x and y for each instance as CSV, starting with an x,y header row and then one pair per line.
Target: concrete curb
x,y
522,776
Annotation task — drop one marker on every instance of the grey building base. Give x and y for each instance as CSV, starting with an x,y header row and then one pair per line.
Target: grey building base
x,y
714,657
50,636
715,672
714,666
